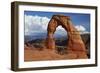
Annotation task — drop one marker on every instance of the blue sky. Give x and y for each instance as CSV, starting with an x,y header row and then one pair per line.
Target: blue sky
x,y
42,19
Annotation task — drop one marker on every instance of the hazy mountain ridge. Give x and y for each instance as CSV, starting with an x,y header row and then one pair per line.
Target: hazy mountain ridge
x,y
39,39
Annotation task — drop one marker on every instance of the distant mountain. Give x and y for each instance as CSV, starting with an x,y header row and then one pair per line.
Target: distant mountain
x,y
34,37
41,36
59,40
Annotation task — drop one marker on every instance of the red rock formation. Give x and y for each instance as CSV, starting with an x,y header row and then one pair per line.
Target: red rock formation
x,y
75,43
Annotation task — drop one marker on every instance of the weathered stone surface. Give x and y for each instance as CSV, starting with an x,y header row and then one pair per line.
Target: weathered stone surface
x,y
75,43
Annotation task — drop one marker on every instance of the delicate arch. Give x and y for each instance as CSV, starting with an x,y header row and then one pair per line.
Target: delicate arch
x,y
75,42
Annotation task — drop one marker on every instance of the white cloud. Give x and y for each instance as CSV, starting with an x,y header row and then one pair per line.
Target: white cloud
x,y
38,24
35,24
60,30
80,28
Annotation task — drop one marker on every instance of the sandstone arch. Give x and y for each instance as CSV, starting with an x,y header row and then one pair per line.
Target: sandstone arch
x,y
75,43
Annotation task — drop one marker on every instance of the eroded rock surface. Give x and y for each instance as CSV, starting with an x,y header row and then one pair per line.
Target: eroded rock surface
x,y
75,43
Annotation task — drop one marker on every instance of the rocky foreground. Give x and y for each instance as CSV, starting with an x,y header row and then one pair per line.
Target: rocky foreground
x,y
35,50
31,54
